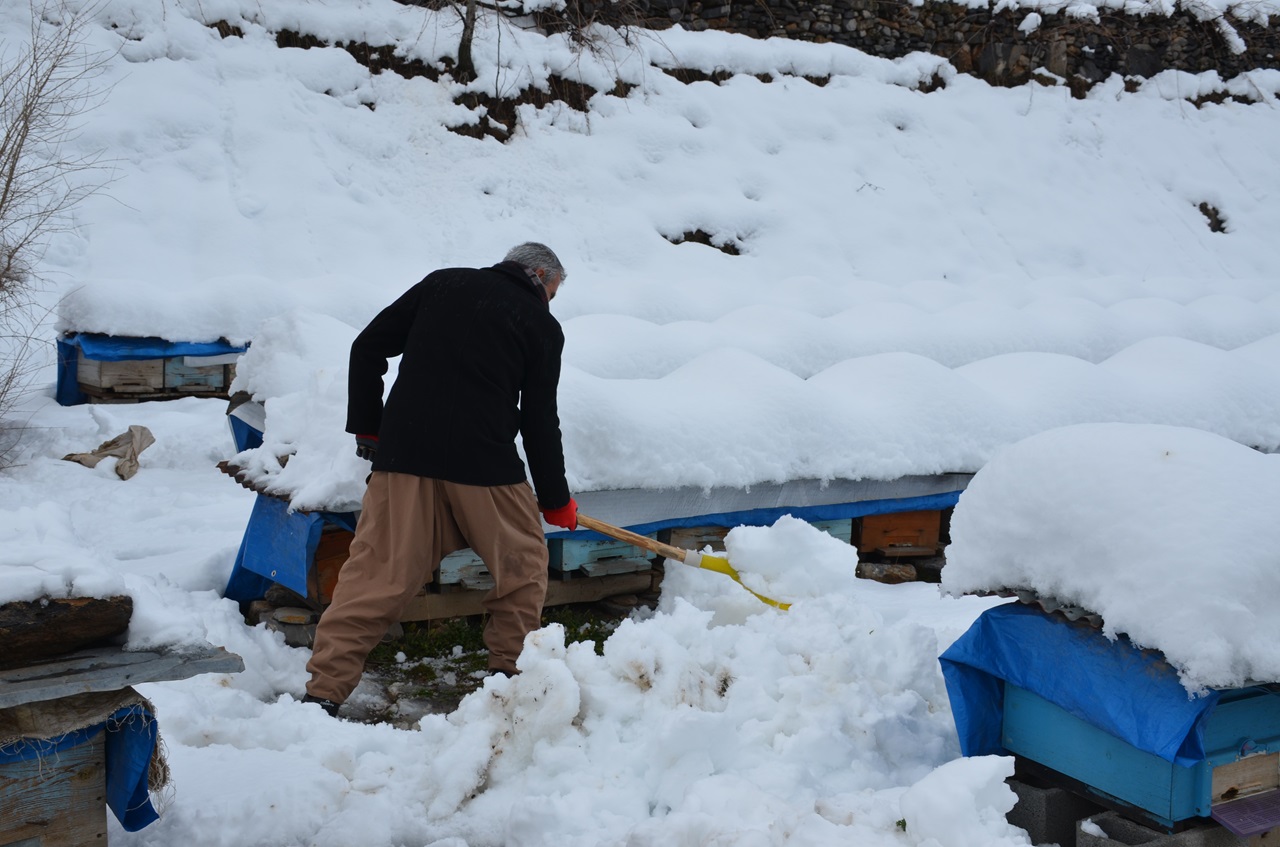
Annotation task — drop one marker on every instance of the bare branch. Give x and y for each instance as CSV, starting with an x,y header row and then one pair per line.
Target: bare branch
x,y
46,86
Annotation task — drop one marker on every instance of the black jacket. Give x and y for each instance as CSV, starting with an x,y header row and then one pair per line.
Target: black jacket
x,y
481,363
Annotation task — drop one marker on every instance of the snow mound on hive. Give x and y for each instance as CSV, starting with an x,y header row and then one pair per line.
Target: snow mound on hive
x,y
1170,533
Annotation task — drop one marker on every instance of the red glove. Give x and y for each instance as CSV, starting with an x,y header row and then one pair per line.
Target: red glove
x,y
566,516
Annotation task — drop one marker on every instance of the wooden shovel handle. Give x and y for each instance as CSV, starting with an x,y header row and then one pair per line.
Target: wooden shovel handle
x,y
631,538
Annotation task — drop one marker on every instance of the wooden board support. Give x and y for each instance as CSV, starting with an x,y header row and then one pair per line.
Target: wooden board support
x,y
38,629
430,606
109,669
56,801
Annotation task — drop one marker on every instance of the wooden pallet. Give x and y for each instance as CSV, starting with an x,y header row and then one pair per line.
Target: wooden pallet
x,y
109,669
430,606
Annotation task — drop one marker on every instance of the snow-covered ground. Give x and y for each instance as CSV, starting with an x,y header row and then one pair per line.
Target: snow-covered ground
x,y
926,283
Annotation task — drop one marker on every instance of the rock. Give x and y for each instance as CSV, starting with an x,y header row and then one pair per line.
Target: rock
x,y
890,574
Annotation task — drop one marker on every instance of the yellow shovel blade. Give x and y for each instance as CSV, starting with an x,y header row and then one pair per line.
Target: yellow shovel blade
x,y
722,566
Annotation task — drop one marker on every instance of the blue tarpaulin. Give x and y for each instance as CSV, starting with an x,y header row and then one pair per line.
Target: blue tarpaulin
x,y
278,546
1132,694
767,517
114,348
130,741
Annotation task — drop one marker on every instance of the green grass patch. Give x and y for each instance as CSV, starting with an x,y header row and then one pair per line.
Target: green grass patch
x,y
440,639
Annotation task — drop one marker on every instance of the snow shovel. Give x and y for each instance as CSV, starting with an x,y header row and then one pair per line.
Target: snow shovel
x,y
689,557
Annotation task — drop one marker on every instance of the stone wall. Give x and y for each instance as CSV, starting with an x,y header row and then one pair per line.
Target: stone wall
x,y
991,45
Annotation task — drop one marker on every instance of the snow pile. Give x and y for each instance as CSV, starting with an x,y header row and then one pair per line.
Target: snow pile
x,y
791,560
807,727
904,301
228,308
1170,534
781,725
297,367
38,560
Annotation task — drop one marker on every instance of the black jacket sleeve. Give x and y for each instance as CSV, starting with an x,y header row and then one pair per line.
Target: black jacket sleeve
x,y
384,338
540,422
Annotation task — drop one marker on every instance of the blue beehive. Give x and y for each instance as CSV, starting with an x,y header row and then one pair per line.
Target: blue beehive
x,y
1116,721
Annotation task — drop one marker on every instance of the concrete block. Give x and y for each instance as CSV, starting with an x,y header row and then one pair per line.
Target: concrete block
x,y
1118,831
1049,815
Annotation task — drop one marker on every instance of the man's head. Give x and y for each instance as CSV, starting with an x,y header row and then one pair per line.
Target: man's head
x,y
540,261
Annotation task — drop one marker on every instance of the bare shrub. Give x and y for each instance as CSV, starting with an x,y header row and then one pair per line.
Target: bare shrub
x,y
46,85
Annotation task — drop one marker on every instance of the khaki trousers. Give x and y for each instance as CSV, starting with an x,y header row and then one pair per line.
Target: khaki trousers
x,y
407,525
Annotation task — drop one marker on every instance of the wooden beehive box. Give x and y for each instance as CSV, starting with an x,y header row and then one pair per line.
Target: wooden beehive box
x,y
1241,765
901,533
331,554
134,376
463,568
596,558
155,379
57,800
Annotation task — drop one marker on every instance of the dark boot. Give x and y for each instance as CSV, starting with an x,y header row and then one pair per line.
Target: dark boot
x,y
330,707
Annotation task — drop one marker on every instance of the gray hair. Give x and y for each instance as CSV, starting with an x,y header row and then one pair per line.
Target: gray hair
x,y
535,256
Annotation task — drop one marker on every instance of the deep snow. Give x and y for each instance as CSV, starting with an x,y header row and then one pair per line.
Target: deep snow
x,y
927,283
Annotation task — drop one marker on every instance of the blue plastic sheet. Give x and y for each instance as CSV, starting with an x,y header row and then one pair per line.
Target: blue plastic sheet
x,y
130,741
246,437
767,517
112,348
279,546
1132,694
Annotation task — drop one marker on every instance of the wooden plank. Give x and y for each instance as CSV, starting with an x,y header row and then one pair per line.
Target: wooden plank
x,y
208,361
39,629
455,604
109,669
609,567
59,800
1251,775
